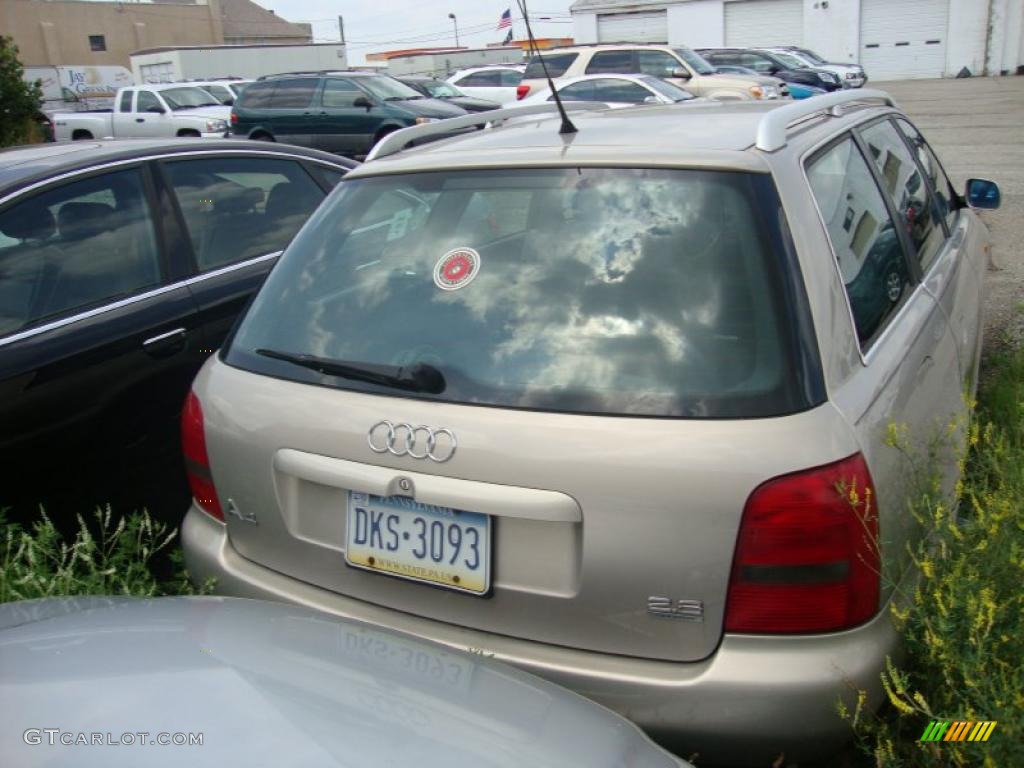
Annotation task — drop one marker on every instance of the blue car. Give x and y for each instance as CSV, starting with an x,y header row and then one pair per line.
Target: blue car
x,y
801,91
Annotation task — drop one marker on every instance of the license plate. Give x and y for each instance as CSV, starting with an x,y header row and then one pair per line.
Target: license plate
x,y
420,542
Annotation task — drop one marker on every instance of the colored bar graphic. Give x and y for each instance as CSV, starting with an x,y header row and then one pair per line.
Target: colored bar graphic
x,y
935,730
958,730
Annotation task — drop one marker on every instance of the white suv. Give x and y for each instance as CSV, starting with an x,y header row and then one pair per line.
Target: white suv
x,y
675,63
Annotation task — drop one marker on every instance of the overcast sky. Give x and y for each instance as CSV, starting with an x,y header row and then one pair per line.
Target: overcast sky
x,y
381,25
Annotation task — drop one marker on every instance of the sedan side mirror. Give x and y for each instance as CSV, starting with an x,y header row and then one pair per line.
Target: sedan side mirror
x,y
651,100
982,193
362,101
682,74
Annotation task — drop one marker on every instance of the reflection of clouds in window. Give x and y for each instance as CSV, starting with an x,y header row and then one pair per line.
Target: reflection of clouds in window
x,y
598,290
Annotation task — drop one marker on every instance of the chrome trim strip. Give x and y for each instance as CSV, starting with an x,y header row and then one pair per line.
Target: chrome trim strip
x,y
162,336
163,156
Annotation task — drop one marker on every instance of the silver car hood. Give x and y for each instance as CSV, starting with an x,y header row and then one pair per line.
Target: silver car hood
x,y
273,684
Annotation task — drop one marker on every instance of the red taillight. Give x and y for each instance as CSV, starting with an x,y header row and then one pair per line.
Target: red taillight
x,y
197,462
807,555
521,91
234,119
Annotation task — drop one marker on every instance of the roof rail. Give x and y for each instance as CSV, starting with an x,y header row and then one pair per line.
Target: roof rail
x,y
771,131
396,142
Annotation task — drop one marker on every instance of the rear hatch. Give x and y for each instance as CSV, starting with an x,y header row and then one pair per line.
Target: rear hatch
x,y
523,401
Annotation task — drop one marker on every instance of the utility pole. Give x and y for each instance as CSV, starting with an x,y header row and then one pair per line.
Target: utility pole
x,y
341,29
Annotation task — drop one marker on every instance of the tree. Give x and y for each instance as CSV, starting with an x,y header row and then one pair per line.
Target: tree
x,y
19,100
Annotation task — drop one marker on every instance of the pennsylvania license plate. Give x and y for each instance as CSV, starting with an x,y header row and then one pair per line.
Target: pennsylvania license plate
x,y
421,542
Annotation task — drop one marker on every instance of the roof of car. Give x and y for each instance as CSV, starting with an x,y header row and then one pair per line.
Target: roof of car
x,y
21,166
711,134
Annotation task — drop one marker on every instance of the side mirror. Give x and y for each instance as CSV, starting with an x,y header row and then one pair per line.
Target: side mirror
x,y
156,109
651,100
680,73
362,101
982,193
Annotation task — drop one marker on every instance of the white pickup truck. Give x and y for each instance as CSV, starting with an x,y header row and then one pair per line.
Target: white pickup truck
x,y
149,111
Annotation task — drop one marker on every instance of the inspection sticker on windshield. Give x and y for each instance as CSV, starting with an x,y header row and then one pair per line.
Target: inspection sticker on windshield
x,y
456,269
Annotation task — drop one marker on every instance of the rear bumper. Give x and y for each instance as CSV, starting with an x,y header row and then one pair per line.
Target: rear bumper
x,y
754,698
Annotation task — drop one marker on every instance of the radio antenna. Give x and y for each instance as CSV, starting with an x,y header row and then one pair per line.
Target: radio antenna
x,y
567,126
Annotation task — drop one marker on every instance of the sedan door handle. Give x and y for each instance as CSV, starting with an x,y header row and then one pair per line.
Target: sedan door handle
x,y
166,343
140,119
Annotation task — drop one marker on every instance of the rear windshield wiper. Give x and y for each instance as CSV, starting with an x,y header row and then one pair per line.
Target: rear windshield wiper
x,y
419,377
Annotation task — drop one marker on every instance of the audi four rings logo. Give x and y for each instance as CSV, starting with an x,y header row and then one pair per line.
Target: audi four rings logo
x,y
403,439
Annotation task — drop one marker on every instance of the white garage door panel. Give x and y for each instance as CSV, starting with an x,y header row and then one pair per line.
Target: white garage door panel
x,y
633,27
903,40
764,23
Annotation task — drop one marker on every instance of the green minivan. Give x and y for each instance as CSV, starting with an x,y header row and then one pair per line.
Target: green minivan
x,y
342,112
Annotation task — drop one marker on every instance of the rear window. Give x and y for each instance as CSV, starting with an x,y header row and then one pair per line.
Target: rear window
x,y
605,291
557,64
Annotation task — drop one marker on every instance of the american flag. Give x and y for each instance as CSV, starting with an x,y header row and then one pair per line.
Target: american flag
x,y
506,19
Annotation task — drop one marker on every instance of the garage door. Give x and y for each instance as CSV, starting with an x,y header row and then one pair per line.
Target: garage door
x,y
633,27
157,73
903,40
763,23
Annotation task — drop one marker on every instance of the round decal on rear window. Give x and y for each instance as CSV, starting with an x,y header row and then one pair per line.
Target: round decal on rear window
x,y
456,269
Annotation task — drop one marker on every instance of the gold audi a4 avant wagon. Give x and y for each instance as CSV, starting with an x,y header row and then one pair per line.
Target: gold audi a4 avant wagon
x,y
610,405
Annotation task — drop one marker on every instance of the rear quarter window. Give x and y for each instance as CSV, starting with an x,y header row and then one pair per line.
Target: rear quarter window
x,y
557,64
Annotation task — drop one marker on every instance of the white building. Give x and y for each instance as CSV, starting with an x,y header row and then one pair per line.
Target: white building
x,y
892,39
169,65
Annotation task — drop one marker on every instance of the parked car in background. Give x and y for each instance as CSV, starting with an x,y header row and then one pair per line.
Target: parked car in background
x,y
613,90
676,64
342,112
149,112
490,83
611,406
122,267
225,91
852,74
220,682
800,91
433,88
777,65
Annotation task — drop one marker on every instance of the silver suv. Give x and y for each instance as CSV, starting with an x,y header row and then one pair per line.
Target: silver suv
x,y
609,405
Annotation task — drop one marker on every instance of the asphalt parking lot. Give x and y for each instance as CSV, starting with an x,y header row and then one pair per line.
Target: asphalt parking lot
x,y
975,125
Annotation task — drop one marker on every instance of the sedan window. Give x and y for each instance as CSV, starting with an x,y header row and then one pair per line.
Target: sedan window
x,y
75,247
240,208
867,246
621,91
581,91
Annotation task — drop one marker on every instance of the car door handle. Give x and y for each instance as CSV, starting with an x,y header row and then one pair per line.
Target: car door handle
x,y
140,119
166,343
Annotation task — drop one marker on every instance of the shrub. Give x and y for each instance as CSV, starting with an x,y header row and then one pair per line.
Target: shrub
x,y
119,559
963,626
